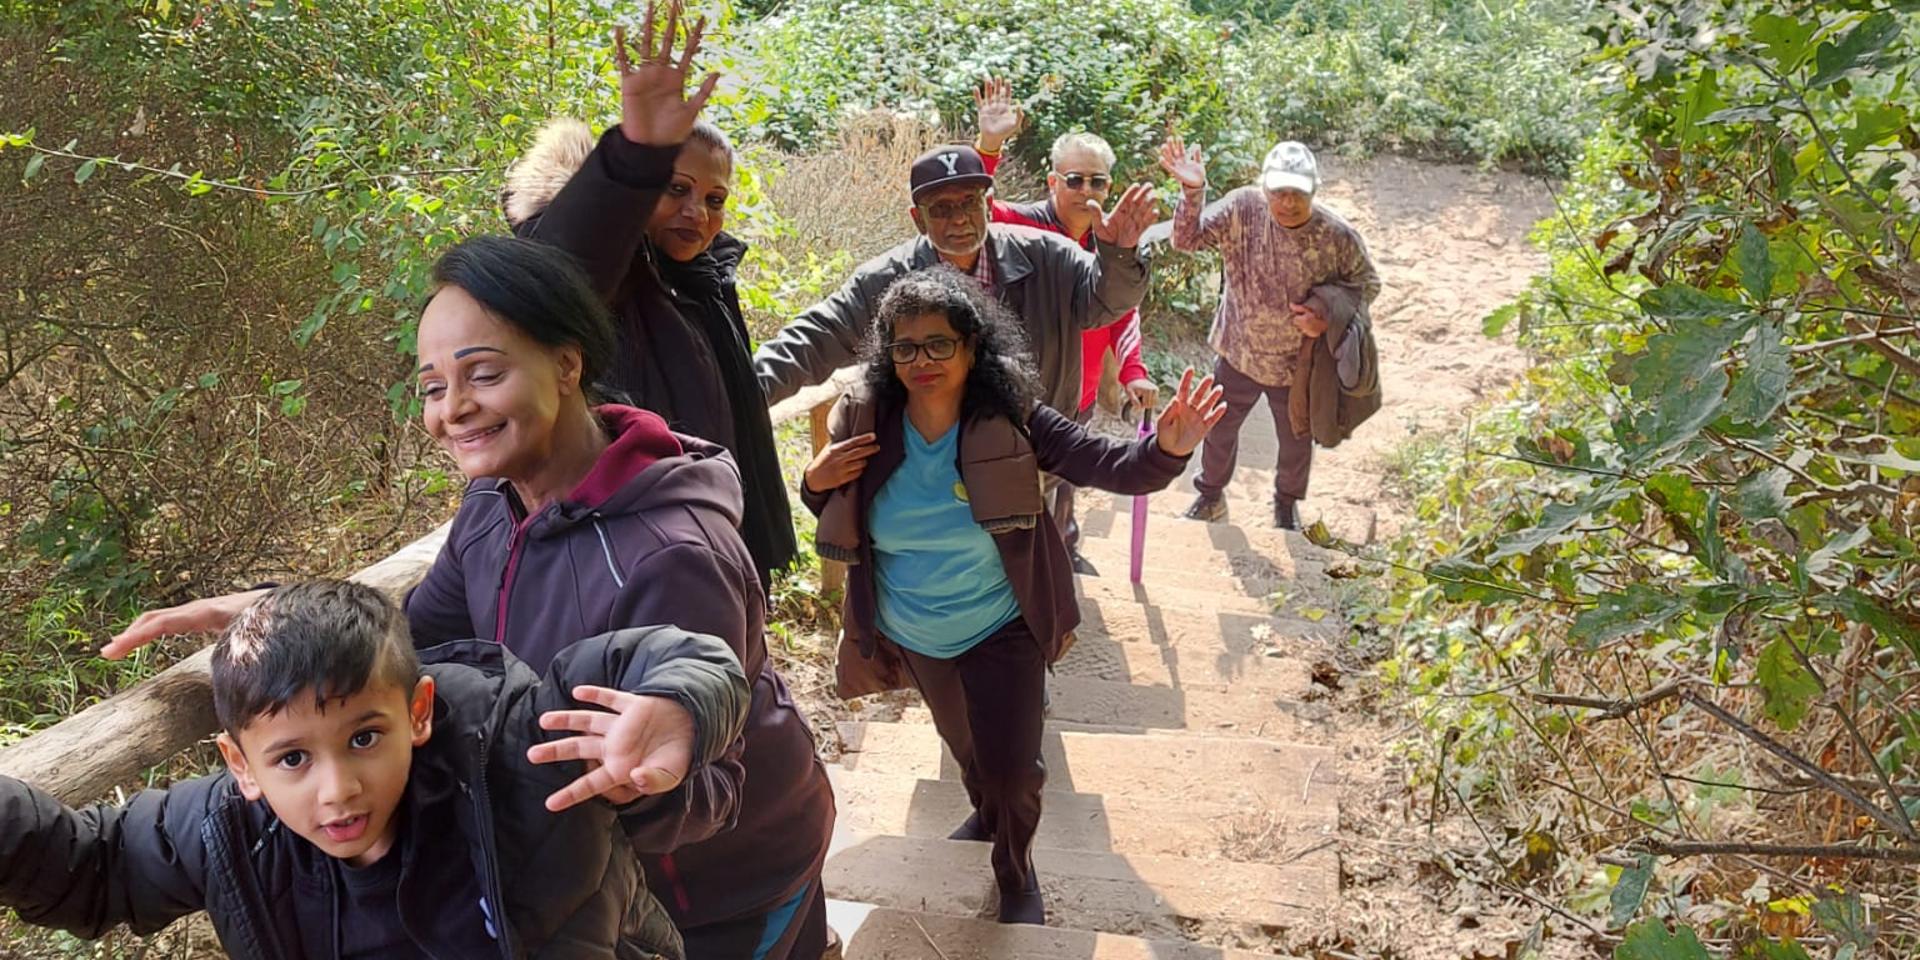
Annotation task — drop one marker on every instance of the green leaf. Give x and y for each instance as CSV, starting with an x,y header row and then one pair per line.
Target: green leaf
x,y
1700,103
310,327
1761,385
1773,950
1496,322
1787,39
1682,411
1755,262
1860,48
1845,918
1637,609
1786,686
1631,889
1556,520
33,167
1678,301
85,172
1860,608
1873,124
1763,495
1651,940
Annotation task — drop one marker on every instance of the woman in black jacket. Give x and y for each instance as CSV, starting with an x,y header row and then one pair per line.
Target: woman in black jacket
x,y
645,221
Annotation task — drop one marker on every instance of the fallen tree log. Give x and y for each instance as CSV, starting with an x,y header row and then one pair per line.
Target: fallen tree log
x,y
82,757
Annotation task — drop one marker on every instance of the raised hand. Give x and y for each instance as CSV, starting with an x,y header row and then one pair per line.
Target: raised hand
x,y
1130,217
654,107
210,615
999,116
1185,164
840,463
638,745
1194,410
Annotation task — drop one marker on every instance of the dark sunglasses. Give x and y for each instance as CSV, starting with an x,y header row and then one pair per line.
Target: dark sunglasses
x,y
939,348
1075,181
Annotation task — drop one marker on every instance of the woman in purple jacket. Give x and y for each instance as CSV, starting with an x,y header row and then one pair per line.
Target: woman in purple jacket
x,y
962,585
581,519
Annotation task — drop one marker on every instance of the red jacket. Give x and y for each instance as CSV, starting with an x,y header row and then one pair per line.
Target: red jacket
x,y
1122,336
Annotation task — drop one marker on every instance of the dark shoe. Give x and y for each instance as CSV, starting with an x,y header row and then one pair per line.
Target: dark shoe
x,y
971,829
1026,905
1211,508
1083,566
1286,516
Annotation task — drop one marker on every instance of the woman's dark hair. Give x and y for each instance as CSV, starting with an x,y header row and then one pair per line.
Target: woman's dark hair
x,y
539,290
1001,381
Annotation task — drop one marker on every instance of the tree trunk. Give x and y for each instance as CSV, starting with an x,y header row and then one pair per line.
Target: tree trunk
x,y
82,757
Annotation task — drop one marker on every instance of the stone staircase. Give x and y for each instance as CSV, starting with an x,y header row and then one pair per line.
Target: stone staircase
x,y
1191,803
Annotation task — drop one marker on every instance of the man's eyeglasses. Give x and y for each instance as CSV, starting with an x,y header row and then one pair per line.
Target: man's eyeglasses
x,y
954,209
939,348
1091,181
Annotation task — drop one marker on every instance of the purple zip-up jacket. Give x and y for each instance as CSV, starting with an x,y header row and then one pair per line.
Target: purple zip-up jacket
x,y
649,537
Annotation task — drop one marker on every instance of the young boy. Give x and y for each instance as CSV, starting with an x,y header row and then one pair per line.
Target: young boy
x,y
1295,271
375,808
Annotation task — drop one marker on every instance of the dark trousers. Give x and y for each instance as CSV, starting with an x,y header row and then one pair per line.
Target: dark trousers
x,y
795,930
1063,498
986,705
1221,451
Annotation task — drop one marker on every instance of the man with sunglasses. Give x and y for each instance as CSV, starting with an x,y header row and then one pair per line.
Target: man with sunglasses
x,y
1077,187
1052,284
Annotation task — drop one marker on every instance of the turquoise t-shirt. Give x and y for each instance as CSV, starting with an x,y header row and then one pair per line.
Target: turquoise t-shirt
x,y
941,586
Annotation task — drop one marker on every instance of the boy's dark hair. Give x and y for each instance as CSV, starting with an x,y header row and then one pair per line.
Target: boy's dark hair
x,y
539,290
1001,382
327,639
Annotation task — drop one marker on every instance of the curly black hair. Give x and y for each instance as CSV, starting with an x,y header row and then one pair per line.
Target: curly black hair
x,y
1001,382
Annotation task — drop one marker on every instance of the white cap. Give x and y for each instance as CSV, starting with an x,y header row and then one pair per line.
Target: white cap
x,y
1290,166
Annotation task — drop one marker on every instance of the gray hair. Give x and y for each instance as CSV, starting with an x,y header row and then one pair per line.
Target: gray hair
x,y
1088,141
705,132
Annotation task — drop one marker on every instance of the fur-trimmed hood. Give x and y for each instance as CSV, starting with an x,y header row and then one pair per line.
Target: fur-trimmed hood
x,y
559,150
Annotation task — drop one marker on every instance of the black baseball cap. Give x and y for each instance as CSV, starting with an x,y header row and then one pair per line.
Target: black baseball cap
x,y
950,164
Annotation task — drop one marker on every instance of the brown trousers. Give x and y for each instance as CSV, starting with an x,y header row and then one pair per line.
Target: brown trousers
x,y
986,703
1220,453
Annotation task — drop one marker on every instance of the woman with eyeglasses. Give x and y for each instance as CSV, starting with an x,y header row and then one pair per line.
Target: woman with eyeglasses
x,y
1077,185
961,585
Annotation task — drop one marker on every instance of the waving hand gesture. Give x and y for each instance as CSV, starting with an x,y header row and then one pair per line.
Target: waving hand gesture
x,y
999,114
1187,165
636,746
1129,218
1193,412
654,107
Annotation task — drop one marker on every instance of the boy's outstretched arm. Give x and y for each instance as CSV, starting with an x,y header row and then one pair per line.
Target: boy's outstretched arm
x,y
639,672
87,871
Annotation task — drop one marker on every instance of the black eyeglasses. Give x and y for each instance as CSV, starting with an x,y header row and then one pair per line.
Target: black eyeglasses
x,y
955,209
939,348
1096,181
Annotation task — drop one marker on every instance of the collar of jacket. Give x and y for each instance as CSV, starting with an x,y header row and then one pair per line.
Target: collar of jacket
x,y
996,463
1010,261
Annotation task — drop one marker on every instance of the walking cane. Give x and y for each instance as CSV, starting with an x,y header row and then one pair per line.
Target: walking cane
x,y
1137,555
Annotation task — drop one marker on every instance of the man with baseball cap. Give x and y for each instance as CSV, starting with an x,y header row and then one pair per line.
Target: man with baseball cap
x,y
1056,288
1295,271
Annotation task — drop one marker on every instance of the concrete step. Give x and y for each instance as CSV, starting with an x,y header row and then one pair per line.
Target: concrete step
x,y
900,935
1170,897
1104,702
882,803
1197,628
1195,666
1245,574
1288,779
1179,536
1171,591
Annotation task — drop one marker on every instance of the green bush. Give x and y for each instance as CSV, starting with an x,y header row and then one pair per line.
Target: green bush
x,y
1485,80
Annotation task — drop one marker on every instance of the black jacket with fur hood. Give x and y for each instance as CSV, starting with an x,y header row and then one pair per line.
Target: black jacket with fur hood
x,y
684,350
